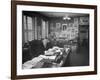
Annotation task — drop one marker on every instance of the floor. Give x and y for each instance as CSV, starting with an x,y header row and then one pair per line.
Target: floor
x,y
79,56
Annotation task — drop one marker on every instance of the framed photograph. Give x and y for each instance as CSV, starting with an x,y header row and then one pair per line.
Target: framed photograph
x,y
58,26
37,53
64,26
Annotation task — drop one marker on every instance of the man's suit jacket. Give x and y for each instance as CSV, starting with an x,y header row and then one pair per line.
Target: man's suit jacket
x,y
43,48
37,47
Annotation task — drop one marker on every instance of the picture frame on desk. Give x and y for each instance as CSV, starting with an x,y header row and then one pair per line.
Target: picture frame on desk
x,y
17,7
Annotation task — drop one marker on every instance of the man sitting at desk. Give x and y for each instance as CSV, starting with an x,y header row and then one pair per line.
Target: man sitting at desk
x,y
39,47
46,44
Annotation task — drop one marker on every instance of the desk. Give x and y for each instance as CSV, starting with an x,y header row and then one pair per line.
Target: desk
x,y
46,63
62,61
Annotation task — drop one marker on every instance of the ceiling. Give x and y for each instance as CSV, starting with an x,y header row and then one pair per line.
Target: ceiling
x,y
62,14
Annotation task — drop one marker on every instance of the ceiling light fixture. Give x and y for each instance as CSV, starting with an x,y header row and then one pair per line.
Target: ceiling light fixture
x,y
66,18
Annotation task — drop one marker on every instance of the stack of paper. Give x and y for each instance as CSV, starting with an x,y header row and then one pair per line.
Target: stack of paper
x,y
49,53
53,57
32,63
27,65
54,50
43,56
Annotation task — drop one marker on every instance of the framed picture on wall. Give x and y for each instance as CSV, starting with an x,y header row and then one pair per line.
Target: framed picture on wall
x,y
64,26
28,57
58,26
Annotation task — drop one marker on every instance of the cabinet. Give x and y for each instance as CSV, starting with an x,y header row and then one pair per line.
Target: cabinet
x,y
26,55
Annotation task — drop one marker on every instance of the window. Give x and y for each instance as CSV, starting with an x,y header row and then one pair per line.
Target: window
x,y
32,30
28,28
